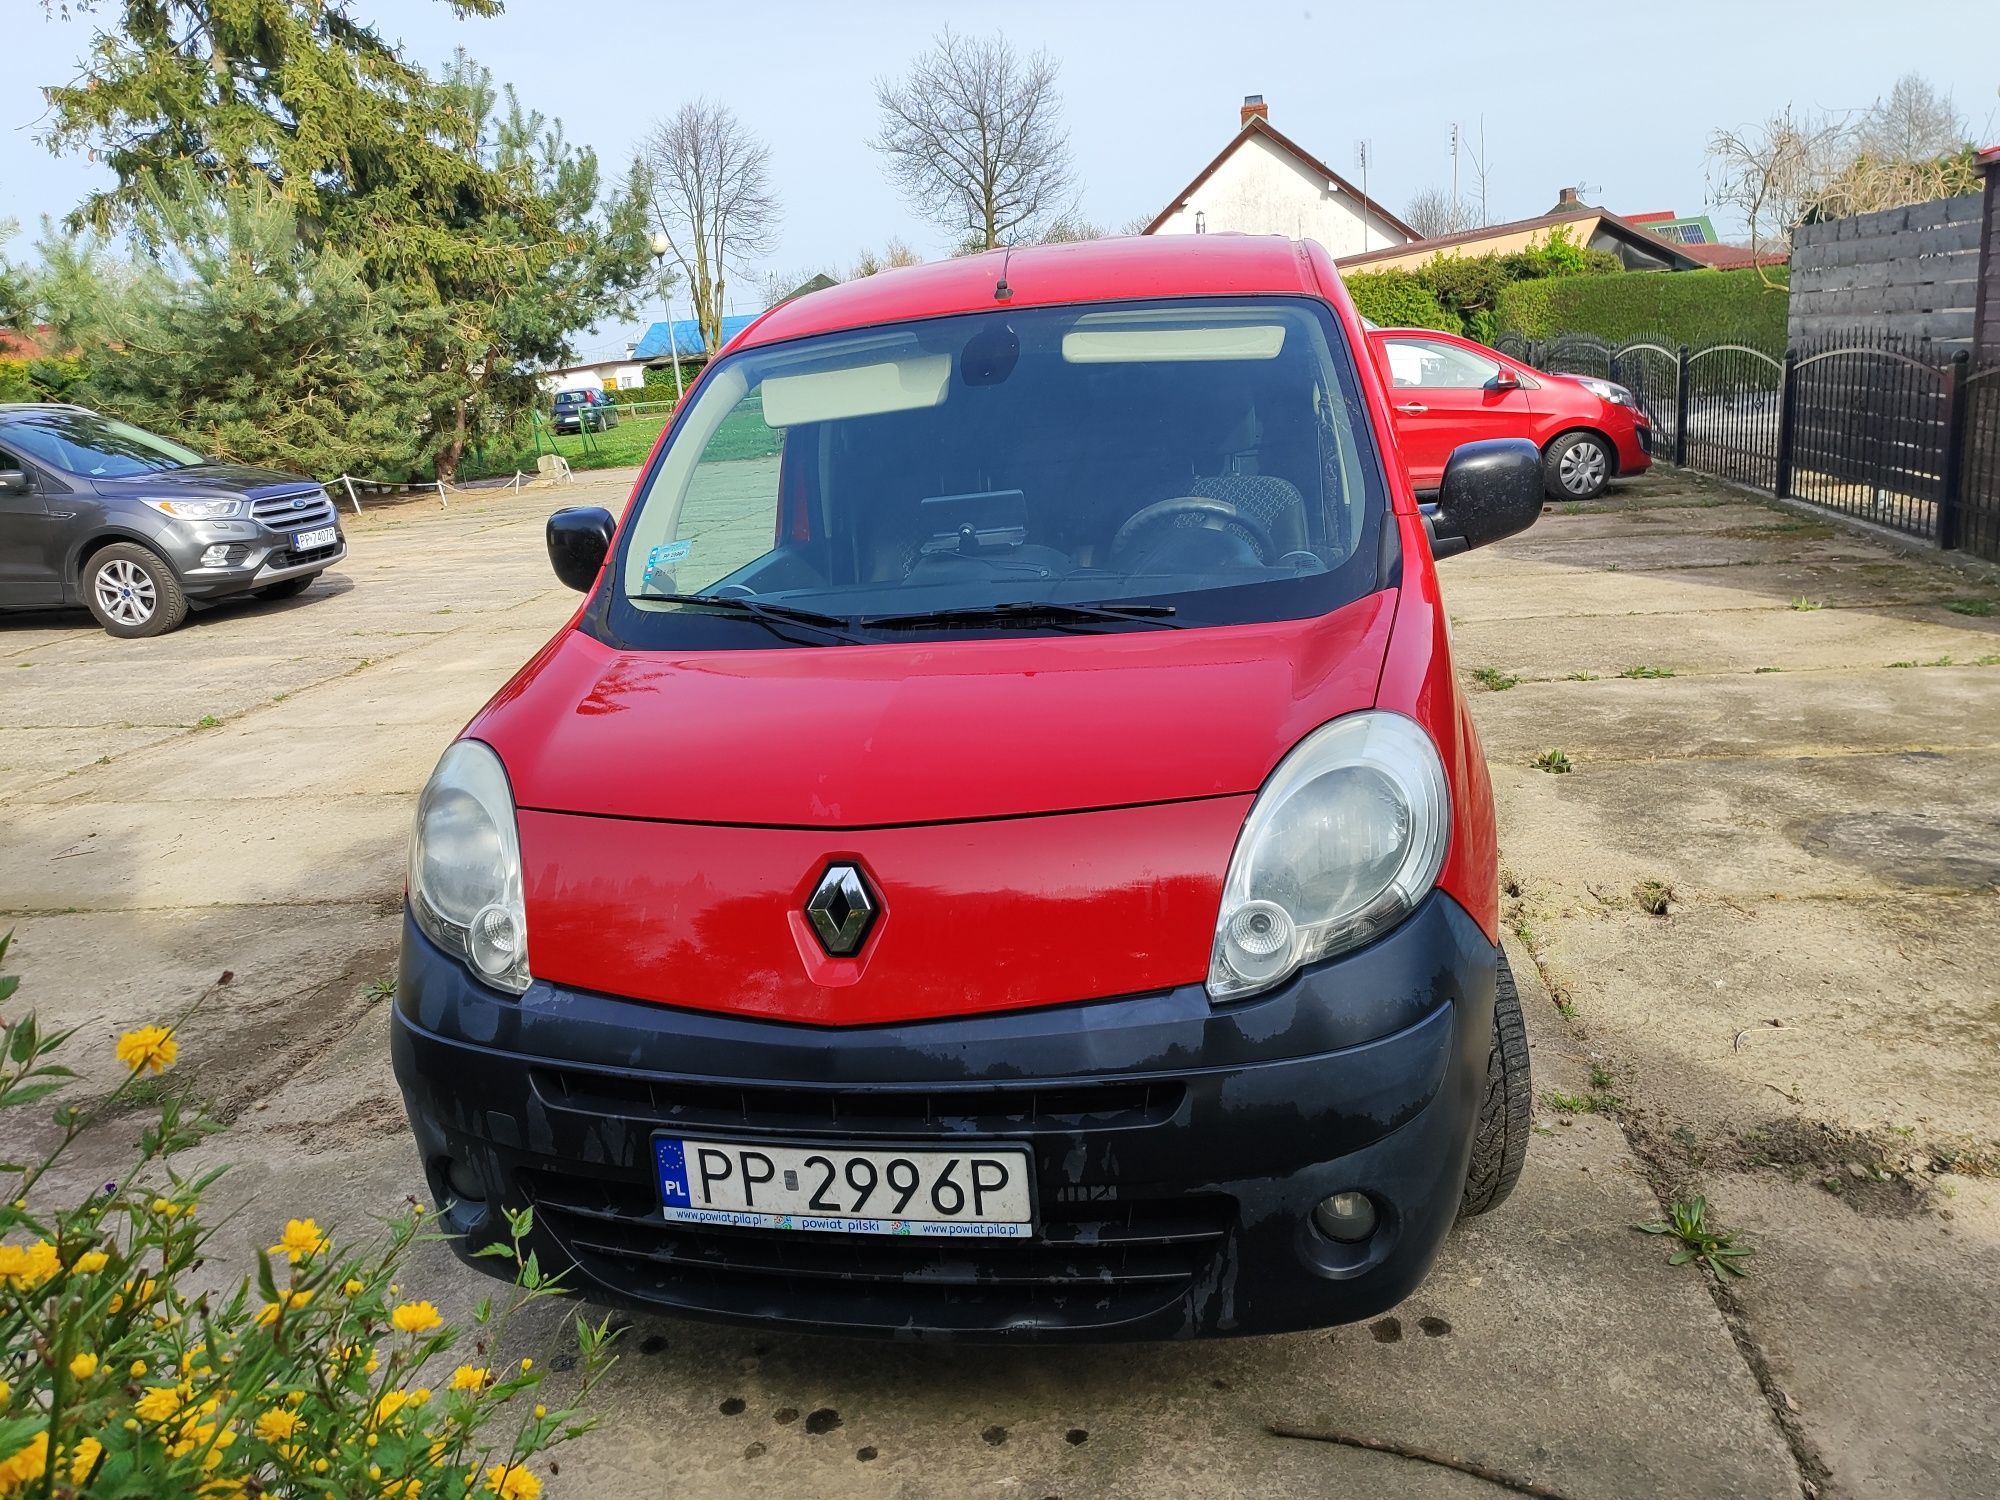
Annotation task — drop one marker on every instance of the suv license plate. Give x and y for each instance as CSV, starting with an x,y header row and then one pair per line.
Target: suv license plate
x,y
977,1193
305,541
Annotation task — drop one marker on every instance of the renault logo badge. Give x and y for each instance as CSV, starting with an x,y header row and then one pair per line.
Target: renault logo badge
x,y
841,910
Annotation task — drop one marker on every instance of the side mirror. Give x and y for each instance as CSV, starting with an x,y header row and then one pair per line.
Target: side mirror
x,y
579,539
1491,489
1506,380
14,482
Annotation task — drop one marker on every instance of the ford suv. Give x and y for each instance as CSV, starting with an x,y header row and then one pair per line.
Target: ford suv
x,y
94,511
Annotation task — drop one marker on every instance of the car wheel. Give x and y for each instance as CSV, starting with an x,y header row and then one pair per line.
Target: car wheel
x,y
1506,1105
1577,466
133,592
289,588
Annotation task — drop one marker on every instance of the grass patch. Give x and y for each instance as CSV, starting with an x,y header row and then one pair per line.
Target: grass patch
x,y
1978,608
377,990
1648,674
1493,679
1654,896
1581,677
1554,762
208,721
1761,670
1802,602
1596,1102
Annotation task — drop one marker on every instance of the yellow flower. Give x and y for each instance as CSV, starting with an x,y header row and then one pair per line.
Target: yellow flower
x,y
277,1424
151,1047
90,1263
415,1317
527,1365
83,1366
26,1464
540,1411
159,1403
138,1368
84,1459
512,1482
301,1238
469,1378
25,1267
6,1393
354,1286
270,1312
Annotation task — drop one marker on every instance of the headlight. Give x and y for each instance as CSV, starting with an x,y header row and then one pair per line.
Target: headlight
x,y
465,867
1617,395
1345,838
198,510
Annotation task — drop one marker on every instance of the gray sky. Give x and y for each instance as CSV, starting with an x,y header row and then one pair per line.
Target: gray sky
x,y
1619,97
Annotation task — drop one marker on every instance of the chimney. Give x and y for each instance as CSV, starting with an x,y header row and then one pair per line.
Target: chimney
x,y
1254,108
1567,198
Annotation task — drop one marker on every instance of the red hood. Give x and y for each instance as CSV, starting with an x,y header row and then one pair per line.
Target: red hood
x,y
870,736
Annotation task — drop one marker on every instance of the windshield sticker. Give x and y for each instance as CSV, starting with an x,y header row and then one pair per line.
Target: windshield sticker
x,y
660,564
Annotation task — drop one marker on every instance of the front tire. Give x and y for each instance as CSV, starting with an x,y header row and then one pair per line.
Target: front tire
x,y
289,588
1506,1106
132,592
1577,466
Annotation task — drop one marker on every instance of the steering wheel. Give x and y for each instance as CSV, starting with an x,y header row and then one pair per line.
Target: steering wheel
x,y
1209,514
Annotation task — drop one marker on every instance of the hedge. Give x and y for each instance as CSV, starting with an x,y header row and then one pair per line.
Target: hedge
x,y
1690,307
1397,299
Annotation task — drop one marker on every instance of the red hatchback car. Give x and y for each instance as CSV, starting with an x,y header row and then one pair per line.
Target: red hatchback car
x,y
1000,851
1447,390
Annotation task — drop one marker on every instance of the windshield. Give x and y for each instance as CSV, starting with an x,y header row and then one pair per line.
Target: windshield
x,y
990,471
81,442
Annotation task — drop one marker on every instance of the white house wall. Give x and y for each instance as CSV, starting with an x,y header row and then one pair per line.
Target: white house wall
x,y
1264,189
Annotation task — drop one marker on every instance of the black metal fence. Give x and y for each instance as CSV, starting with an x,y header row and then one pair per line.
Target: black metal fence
x,y
1884,430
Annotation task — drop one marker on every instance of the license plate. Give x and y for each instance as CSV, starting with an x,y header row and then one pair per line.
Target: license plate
x,y
305,541
978,1193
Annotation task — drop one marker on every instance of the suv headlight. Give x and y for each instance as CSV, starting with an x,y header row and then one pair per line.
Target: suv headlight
x,y
1343,841
198,510
465,866
1616,394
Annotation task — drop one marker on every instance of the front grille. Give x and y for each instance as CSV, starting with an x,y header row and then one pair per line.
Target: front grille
x,y
299,559
1109,1262
934,1111
282,513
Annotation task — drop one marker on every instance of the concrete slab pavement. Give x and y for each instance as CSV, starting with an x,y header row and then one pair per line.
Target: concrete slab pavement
x,y
1552,1341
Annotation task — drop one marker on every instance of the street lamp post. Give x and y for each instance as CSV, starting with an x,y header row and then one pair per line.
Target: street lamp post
x,y
659,245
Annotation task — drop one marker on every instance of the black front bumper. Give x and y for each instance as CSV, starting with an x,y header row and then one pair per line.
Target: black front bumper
x,y
1178,1148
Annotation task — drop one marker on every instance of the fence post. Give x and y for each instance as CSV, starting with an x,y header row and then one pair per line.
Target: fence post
x,y
1951,497
1781,482
1681,410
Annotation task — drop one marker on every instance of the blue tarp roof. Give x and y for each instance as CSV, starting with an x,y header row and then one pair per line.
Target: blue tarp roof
x,y
682,336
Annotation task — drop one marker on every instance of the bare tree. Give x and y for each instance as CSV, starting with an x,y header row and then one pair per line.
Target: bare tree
x,y
1433,212
1915,123
1909,148
1069,229
973,138
708,189
894,256
1776,173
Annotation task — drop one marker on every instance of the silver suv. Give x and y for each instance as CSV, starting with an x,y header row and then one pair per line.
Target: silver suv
x,y
94,511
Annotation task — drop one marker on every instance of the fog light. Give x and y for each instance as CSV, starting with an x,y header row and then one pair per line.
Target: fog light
x,y
1346,1217
215,557
464,1181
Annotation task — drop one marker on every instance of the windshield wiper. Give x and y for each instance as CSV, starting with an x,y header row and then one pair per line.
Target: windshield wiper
x,y
766,612
1025,612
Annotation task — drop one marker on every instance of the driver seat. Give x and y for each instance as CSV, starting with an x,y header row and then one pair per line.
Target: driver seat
x,y
1274,501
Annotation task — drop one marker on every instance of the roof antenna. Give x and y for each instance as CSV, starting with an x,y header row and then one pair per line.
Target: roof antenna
x,y
1001,291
